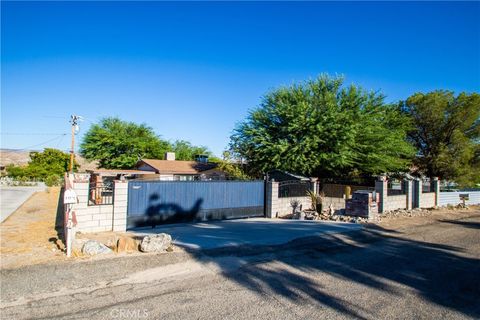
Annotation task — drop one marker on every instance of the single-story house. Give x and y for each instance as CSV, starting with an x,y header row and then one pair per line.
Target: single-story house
x,y
170,169
102,181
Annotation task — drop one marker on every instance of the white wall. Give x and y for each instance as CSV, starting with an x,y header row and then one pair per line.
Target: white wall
x,y
98,218
284,206
395,202
337,203
427,200
453,198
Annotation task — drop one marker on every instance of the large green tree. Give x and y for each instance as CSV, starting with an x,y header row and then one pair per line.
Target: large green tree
x,y
446,133
320,127
184,150
119,144
48,166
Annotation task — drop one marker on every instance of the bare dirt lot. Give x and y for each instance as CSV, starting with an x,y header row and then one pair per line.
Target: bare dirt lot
x,y
33,234
29,235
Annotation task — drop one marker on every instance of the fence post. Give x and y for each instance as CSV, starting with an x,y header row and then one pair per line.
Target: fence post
x,y
272,199
436,189
120,202
409,193
313,184
418,192
381,187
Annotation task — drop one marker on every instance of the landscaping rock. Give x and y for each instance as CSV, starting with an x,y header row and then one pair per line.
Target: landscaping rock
x,y
93,247
126,244
156,243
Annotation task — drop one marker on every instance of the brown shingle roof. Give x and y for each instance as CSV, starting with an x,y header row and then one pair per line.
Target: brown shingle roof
x,y
177,167
119,171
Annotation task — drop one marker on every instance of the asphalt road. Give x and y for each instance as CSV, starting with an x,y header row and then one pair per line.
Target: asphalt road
x,y
425,272
11,198
238,232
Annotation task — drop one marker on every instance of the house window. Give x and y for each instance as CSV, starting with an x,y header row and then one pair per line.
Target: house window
x,y
185,178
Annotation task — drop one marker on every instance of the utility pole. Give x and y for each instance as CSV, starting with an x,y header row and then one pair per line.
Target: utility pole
x,y
74,121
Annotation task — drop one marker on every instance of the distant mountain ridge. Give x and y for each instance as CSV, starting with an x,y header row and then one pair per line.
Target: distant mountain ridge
x,y
22,157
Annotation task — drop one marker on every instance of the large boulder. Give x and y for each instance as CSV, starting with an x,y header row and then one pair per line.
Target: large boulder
x,y
156,243
93,247
126,244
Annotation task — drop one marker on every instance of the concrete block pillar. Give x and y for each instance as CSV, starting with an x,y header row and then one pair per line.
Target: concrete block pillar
x,y
80,208
436,188
417,194
120,202
271,203
314,184
408,185
381,188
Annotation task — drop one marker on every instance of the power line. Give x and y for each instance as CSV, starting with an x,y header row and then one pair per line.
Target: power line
x,y
60,141
30,134
39,144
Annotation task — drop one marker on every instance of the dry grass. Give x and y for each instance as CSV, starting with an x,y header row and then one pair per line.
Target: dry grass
x,y
28,236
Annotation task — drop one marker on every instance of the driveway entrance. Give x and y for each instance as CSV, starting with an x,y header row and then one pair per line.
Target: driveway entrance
x,y
254,231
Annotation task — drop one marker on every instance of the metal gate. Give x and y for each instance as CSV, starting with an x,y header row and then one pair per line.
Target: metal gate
x,y
153,203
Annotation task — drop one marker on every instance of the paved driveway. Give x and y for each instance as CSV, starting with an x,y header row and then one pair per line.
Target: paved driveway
x,y
254,231
11,198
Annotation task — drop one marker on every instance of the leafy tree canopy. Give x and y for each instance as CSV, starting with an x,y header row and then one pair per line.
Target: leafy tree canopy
x,y
47,166
119,144
446,133
320,127
184,150
233,169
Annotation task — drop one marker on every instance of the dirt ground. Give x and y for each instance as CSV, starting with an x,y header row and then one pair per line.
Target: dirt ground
x,y
426,217
29,236
32,234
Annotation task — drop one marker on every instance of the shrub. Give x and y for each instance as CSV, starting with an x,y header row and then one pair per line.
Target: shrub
x,y
52,180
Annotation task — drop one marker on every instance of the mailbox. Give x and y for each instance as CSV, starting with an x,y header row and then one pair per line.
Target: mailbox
x,y
70,197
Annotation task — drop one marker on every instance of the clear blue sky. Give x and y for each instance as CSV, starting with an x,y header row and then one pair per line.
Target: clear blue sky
x,y
192,70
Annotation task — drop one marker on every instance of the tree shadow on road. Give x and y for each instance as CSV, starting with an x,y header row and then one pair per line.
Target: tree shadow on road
x,y
374,258
466,224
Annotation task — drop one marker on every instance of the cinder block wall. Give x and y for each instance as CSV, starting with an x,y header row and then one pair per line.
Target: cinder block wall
x,y
337,203
120,202
395,202
427,200
284,205
278,207
410,199
97,218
